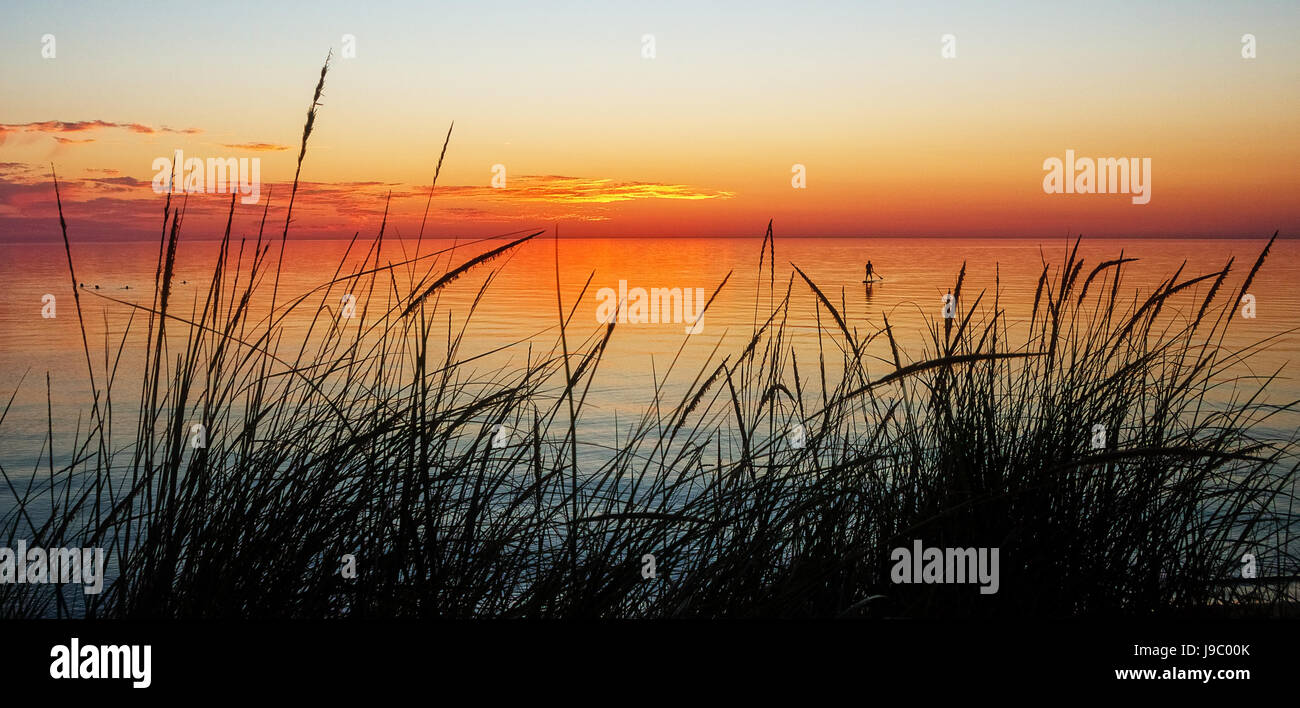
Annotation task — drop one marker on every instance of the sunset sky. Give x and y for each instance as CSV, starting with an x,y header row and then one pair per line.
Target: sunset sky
x,y
699,140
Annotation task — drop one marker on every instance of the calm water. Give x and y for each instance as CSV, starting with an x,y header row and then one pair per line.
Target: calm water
x,y
520,307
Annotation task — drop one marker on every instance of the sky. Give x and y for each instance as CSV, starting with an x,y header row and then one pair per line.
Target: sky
x,y
701,139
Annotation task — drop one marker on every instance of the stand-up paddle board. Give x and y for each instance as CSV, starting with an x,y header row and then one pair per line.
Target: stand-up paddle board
x,y
873,280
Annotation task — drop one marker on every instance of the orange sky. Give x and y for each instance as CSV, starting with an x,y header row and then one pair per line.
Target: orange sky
x,y
699,139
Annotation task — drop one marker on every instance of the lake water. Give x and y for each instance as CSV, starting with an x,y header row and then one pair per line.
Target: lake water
x,y
520,307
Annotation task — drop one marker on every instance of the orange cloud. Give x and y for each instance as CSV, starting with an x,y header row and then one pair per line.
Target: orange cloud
x,y
81,126
260,147
557,189
122,206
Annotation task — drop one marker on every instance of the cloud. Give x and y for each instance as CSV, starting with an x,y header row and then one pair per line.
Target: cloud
x,y
118,181
558,189
583,190
14,169
82,126
117,205
258,147
73,141
11,193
